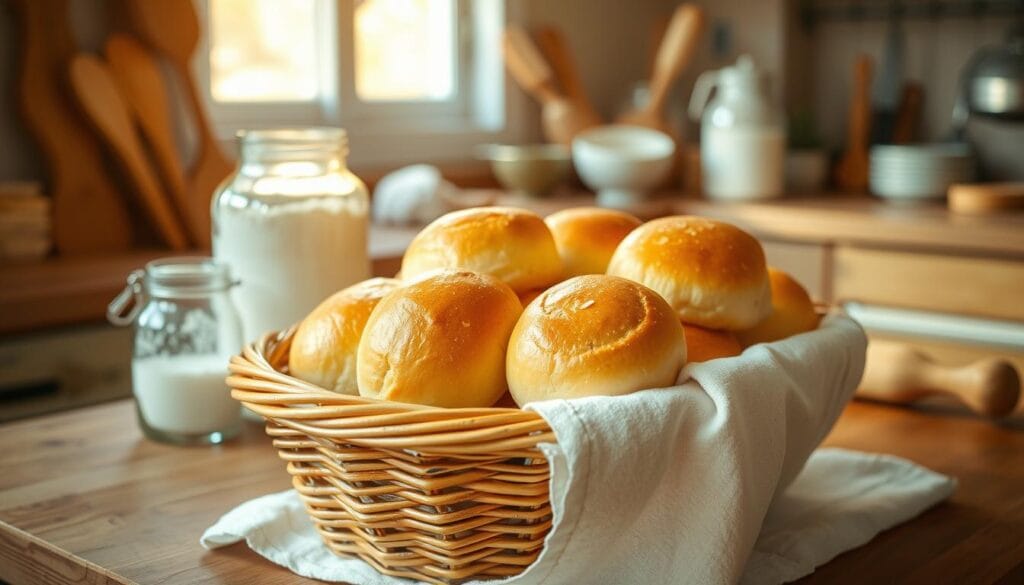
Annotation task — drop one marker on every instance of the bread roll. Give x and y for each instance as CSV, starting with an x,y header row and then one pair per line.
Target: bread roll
x,y
707,344
712,273
324,347
439,341
792,312
594,335
586,237
513,245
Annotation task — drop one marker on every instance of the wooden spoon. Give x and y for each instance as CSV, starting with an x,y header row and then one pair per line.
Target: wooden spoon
x,y
94,86
552,44
560,118
172,29
677,48
142,84
899,374
852,169
90,215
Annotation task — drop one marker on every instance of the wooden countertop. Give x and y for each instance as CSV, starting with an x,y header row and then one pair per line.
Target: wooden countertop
x,y
62,291
85,499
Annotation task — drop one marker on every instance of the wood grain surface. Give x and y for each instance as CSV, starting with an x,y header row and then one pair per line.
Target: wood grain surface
x,y
84,498
90,215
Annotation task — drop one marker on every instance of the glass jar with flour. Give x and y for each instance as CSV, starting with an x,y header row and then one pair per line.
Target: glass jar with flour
x,y
292,225
186,330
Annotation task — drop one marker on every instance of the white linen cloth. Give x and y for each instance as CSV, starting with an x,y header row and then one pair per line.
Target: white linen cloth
x,y
676,485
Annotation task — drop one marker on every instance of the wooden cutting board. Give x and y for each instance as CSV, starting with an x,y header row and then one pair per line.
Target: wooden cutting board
x,y
90,215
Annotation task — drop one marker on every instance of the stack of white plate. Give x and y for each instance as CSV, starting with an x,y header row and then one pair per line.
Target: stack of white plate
x,y
920,171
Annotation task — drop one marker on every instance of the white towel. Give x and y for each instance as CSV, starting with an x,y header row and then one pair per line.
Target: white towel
x,y
676,485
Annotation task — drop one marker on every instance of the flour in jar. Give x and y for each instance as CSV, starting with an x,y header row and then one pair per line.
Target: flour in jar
x,y
185,393
290,256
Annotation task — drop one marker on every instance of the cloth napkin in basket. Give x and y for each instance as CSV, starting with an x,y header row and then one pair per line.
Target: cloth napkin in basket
x,y
689,484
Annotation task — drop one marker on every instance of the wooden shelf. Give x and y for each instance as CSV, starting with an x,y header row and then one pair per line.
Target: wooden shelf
x,y
64,291
68,291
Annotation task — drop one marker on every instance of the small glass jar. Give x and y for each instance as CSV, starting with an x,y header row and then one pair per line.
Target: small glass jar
x,y
186,330
292,224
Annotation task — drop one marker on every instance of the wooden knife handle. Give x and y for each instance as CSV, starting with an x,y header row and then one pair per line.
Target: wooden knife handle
x,y
905,127
554,48
676,49
527,66
899,374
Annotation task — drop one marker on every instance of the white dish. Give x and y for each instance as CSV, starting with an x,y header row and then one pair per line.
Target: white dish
x,y
918,172
622,163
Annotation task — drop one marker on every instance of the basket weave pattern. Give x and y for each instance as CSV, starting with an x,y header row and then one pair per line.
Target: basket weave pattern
x,y
440,495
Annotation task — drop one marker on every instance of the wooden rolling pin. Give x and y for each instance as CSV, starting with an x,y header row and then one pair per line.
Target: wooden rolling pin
x,y
900,374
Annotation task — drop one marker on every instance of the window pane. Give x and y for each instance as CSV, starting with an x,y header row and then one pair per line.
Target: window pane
x,y
405,49
263,50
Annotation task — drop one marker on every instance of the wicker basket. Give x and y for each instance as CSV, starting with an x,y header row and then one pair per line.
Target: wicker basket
x,y
440,495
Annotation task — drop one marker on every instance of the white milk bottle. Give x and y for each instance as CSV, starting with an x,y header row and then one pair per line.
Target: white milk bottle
x,y
742,137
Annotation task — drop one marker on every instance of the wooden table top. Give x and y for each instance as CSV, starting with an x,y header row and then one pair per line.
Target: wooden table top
x,y
84,498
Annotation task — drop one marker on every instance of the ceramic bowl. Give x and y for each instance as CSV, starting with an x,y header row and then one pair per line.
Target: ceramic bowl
x,y
919,172
622,163
530,169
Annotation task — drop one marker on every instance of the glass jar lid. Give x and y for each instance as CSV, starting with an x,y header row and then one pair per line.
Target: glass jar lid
x,y
292,143
186,276
182,277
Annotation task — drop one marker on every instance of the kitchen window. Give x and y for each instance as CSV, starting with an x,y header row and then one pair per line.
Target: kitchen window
x,y
397,74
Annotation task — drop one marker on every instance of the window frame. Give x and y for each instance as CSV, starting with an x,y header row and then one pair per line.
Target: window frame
x,y
483,110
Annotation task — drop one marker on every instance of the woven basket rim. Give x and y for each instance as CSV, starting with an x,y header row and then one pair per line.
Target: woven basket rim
x,y
370,422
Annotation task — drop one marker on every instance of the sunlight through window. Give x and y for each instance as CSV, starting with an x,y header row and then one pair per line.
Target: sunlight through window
x,y
264,50
405,50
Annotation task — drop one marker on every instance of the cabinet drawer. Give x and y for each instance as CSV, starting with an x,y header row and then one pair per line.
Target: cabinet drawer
x,y
951,284
806,262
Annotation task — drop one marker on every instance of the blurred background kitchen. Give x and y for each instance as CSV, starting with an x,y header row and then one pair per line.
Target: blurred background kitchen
x,y
876,148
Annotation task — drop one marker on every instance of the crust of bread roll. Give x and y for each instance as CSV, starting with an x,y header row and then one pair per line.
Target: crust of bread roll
x,y
514,245
707,344
439,341
792,312
712,273
594,335
586,237
323,350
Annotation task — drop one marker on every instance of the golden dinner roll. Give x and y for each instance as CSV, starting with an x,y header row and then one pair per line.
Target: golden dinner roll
x,y
324,346
513,245
707,344
594,335
792,312
586,237
440,341
712,273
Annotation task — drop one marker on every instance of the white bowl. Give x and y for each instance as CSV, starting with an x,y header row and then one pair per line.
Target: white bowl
x,y
918,172
622,163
